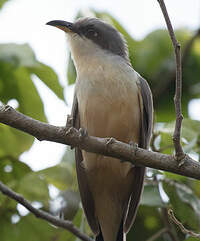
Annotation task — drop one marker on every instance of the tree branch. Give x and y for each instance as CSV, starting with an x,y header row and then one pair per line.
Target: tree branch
x,y
177,98
105,146
170,229
42,214
180,225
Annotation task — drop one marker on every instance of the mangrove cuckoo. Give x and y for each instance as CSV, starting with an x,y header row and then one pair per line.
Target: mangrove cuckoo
x,y
111,100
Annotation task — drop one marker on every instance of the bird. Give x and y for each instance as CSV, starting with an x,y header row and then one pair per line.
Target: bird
x,y
111,100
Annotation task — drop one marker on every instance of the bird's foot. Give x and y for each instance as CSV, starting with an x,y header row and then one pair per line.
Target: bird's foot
x,y
180,159
110,140
134,145
70,130
69,122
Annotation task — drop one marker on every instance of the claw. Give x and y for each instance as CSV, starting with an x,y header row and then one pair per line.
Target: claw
x,y
110,141
69,131
180,160
69,121
82,133
134,145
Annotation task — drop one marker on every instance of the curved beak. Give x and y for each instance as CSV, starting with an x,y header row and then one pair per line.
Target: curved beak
x,y
63,25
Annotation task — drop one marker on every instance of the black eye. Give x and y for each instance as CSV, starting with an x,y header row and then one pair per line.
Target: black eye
x,y
91,32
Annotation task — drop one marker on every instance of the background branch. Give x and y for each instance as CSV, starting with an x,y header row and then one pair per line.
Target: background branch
x,y
44,215
177,98
170,229
106,146
158,234
180,225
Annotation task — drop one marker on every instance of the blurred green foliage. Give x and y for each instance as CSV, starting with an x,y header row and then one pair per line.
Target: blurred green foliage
x,y
153,58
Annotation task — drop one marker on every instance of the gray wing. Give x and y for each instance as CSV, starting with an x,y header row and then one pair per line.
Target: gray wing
x,y
86,196
146,108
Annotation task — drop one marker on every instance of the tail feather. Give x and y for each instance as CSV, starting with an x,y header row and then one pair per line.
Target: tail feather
x,y
99,237
120,235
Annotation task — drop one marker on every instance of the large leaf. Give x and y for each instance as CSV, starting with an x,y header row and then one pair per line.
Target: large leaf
x,y
61,176
12,170
189,135
28,227
2,2
34,188
192,239
29,99
49,77
184,203
17,64
14,56
10,144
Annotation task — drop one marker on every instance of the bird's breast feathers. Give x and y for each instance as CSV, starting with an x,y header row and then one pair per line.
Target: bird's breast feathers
x,y
108,103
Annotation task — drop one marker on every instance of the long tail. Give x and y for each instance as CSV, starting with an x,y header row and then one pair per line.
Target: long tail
x,y
120,235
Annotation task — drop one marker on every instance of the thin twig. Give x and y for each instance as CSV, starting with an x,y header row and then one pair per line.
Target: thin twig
x,y
168,225
158,234
180,225
44,215
177,98
123,151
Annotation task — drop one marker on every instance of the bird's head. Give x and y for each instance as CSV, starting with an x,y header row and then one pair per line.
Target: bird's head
x,y
90,36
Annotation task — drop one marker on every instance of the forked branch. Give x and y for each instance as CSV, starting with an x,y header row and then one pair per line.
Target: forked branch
x,y
177,98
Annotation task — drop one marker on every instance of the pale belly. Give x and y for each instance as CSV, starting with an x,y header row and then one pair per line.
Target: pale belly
x,y
109,111
115,112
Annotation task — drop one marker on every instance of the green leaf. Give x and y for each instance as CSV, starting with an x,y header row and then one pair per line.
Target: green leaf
x,y
12,170
180,196
14,57
30,102
12,136
34,188
49,77
192,239
28,227
190,134
188,196
175,177
151,196
61,176
2,2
